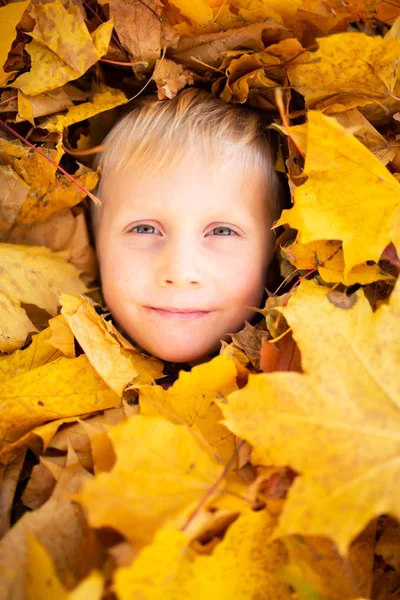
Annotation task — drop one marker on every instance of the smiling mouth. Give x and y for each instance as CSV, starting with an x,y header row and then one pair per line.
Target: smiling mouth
x,y
178,313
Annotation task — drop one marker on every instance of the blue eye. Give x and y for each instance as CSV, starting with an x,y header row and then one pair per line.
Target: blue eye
x,y
143,228
225,231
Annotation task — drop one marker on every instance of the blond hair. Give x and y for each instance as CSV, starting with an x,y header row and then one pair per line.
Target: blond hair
x,y
156,134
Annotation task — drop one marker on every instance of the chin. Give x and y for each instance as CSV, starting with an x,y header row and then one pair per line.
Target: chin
x,y
183,355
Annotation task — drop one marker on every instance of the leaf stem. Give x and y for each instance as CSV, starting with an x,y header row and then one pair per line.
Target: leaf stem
x,y
8,100
214,487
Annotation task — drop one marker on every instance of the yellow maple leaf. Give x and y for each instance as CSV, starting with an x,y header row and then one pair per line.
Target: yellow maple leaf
x,y
42,582
10,16
344,181
117,365
161,474
349,64
62,388
244,566
192,400
62,48
30,275
338,424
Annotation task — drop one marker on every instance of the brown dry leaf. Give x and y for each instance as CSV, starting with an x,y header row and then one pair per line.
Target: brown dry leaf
x,y
59,525
62,48
316,569
31,275
388,546
183,474
65,387
9,476
208,48
170,78
139,30
39,487
344,178
192,400
115,364
250,340
239,356
246,81
244,566
343,411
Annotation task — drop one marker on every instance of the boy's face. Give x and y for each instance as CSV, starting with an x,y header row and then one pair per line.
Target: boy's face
x,y
183,253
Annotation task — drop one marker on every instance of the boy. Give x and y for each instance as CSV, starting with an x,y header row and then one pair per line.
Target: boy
x,y
183,235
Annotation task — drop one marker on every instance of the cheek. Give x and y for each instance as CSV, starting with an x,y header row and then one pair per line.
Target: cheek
x,y
121,275
246,281
250,285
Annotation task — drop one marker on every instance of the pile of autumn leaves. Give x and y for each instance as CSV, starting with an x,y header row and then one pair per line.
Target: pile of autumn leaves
x,y
232,483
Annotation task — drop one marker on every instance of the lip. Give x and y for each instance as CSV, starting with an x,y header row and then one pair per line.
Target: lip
x,y
178,313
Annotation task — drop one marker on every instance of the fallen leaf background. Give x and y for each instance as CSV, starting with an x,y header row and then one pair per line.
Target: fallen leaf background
x,y
270,471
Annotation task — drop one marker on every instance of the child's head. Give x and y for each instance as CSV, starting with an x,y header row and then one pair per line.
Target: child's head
x,y
183,235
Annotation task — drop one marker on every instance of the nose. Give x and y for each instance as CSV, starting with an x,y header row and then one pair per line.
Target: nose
x,y
179,265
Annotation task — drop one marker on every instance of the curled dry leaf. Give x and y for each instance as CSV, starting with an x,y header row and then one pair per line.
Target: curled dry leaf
x,y
117,365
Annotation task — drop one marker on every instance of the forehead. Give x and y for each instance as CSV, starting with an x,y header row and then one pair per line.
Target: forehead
x,y
194,184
